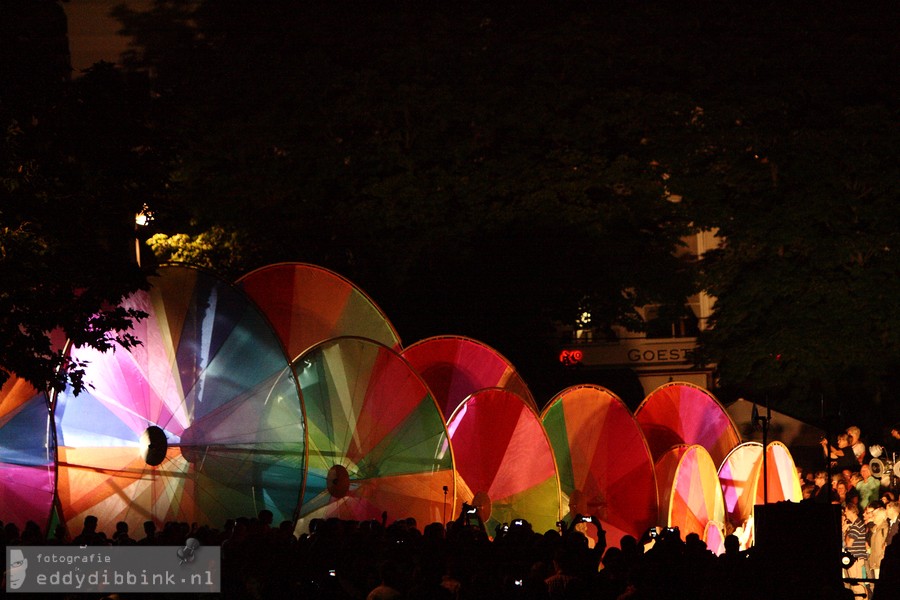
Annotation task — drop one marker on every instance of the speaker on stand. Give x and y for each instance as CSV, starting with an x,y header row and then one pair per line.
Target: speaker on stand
x,y
798,544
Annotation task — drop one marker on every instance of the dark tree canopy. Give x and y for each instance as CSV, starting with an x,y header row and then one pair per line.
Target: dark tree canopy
x,y
806,278
487,169
483,170
477,171
796,167
76,165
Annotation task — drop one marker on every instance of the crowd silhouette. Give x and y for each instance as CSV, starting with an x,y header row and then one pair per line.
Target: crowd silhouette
x,y
396,559
374,560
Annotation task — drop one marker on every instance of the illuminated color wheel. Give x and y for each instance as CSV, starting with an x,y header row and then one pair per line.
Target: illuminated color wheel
x,y
739,476
202,422
784,483
714,537
502,450
605,467
27,455
377,441
689,491
308,304
456,367
682,413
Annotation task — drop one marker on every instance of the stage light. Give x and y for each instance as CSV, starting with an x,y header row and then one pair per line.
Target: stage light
x,y
847,559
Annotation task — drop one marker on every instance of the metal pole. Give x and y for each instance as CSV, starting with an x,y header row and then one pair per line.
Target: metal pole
x,y
764,421
765,428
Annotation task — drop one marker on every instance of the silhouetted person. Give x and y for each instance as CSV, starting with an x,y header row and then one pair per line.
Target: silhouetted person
x,y
265,518
89,535
149,538
121,537
391,586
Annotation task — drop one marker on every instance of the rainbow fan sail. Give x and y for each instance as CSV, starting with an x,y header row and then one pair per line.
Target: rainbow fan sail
x,y
308,304
377,442
505,460
27,455
682,413
605,467
455,367
201,422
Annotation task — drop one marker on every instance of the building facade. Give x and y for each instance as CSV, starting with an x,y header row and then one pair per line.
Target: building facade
x,y
662,353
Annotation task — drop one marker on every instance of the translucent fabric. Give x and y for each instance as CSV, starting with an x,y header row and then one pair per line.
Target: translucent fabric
x,y
201,422
689,492
456,367
504,457
605,467
308,304
739,475
784,482
27,455
682,413
377,441
715,537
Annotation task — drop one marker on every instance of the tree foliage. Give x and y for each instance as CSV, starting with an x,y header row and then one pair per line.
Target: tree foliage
x,y
225,252
483,171
487,168
805,278
476,170
796,167
76,164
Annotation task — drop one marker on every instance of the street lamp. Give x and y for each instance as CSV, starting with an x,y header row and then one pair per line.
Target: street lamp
x,y
141,219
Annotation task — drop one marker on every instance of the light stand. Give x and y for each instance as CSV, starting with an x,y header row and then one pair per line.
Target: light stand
x,y
760,421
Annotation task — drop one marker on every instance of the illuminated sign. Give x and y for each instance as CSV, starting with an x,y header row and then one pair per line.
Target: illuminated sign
x,y
571,357
657,355
633,352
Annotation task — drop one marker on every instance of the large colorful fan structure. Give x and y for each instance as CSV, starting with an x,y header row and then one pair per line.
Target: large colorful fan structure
x,y
201,422
683,413
308,304
714,536
739,476
742,476
27,454
455,367
689,493
605,467
781,475
505,460
377,440
289,392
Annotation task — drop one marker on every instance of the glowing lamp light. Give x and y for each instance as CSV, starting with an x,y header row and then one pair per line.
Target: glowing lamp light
x,y
143,218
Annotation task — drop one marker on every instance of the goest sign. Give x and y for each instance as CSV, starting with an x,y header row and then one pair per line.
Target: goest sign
x,y
634,352
659,355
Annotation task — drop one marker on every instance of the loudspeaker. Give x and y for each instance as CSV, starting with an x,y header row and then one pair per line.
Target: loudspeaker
x,y
802,539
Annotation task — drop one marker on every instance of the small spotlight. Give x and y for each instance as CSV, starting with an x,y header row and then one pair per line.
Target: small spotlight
x,y
847,559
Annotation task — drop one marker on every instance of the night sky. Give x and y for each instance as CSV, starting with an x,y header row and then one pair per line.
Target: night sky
x,y
92,32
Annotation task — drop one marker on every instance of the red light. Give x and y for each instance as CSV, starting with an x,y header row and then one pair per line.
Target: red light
x,y
571,357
